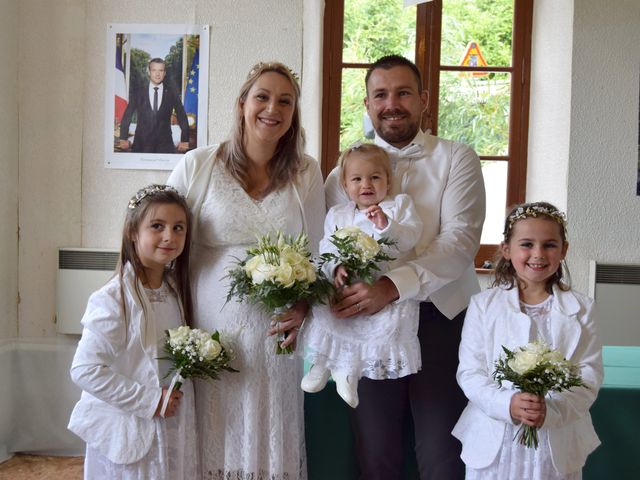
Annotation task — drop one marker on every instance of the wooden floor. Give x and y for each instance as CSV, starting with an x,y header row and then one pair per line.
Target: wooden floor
x,y
39,467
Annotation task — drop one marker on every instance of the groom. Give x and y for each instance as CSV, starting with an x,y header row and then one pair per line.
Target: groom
x,y
445,181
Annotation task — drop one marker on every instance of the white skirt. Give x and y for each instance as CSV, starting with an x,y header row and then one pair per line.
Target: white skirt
x,y
380,346
517,462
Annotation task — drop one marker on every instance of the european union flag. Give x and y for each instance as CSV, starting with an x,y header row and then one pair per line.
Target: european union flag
x,y
191,91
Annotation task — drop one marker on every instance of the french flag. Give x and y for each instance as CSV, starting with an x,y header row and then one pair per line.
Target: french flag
x,y
120,84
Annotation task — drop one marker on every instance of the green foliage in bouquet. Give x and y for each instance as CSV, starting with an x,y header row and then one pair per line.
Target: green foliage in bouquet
x,y
535,368
358,252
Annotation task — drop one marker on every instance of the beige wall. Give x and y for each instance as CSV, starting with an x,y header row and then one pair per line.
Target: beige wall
x,y
550,106
603,208
8,168
51,71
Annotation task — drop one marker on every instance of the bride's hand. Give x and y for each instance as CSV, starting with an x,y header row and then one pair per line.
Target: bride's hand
x,y
290,322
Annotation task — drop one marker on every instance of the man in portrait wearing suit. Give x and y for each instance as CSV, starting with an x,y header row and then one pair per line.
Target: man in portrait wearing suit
x,y
154,105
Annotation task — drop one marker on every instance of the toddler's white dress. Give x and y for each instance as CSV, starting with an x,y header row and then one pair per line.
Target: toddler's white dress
x,y
379,346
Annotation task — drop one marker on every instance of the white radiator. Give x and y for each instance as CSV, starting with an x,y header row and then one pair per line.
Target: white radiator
x,y
81,271
616,290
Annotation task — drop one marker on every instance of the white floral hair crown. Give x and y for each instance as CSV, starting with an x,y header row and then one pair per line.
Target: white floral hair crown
x,y
272,65
535,210
149,191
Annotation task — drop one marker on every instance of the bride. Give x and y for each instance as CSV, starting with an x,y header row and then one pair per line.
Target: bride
x,y
251,423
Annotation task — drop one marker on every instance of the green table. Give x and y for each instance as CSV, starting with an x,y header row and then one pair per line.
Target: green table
x,y
616,417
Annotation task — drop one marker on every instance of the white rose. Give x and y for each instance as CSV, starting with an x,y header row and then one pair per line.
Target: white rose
x,y
537,348
210,349
349,231
259,270
554,356
523,361
368,247
284,275
291,257
310,272
300,273
178,336
253,263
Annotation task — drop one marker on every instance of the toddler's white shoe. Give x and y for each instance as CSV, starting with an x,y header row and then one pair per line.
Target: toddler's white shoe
x,y
347,387
315,379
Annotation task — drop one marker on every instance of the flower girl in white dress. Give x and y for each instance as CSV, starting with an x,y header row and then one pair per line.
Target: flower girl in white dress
x,y
379,346
530,300
117,363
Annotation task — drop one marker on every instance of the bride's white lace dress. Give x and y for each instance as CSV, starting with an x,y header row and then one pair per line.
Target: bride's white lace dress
x,y
251,423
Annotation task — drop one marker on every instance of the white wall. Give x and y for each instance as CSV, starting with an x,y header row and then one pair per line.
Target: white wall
x,y
51,98
583,143
550,104
602,205
9,167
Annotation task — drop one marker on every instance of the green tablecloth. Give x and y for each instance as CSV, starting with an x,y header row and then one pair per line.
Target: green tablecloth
x,y
616,417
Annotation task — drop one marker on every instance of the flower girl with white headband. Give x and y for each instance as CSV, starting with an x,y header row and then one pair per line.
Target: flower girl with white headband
x,y
134,426
531,300
383,345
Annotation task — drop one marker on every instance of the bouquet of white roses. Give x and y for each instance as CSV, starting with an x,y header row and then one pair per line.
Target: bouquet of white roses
x,y
194,353
536,368
277,274
358,252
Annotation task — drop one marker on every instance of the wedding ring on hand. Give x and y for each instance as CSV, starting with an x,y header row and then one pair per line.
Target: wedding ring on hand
x,y
357,307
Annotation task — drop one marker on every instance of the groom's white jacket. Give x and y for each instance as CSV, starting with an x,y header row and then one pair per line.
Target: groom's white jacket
x,y
116,366
494,319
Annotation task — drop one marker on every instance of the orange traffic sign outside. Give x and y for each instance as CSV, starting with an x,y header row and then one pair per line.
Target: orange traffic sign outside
x,y
473,58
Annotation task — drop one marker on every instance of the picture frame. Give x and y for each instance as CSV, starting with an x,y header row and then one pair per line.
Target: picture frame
x,y
164,122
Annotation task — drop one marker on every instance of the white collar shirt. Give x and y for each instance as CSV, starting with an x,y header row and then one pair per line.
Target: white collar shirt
x,y
152,87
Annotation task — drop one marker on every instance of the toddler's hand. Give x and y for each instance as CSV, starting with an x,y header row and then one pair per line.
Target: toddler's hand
x,y
172,406
377,216
528,408
340,277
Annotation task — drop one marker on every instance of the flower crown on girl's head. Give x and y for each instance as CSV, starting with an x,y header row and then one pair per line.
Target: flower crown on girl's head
x,y
268,65
529,210
148,191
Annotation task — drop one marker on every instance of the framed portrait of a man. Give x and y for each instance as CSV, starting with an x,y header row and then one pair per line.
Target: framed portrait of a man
x,y
156,94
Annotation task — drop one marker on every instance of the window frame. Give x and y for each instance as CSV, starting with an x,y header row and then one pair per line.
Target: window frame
x,y
427,57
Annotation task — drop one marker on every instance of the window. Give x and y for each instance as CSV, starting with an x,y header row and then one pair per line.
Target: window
x,y
475,59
